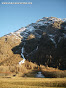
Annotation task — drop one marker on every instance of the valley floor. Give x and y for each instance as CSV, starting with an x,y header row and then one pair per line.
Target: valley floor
x,y
26,82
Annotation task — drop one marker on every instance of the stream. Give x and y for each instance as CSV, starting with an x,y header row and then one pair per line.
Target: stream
x,y
22,51
39,75
22,61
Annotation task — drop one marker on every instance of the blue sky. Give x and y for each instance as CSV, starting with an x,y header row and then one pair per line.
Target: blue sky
x,y
13,17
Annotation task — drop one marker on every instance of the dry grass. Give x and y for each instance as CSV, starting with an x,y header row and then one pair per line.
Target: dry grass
x,y
17,70
32,82
29,69
13,77
6,54
50,72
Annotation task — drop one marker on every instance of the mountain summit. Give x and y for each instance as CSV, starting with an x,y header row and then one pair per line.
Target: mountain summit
x,y
43,42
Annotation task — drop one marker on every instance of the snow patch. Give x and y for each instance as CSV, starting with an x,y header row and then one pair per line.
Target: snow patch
x,y
64,19
65,27
47,21
52,39
51,35
64,35
59,39
54,42
40,22
30,28
37,48
20,30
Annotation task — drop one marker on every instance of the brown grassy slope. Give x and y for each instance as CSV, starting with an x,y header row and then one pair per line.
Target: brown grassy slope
x,y
13,60
30,69
6,55
51,72
18,70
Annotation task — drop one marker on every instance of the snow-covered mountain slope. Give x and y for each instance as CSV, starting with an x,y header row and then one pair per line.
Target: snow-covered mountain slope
x,y
35,28
41,42
46,24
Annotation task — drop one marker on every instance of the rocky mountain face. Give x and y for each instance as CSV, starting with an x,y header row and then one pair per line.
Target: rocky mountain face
x,y
43,42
